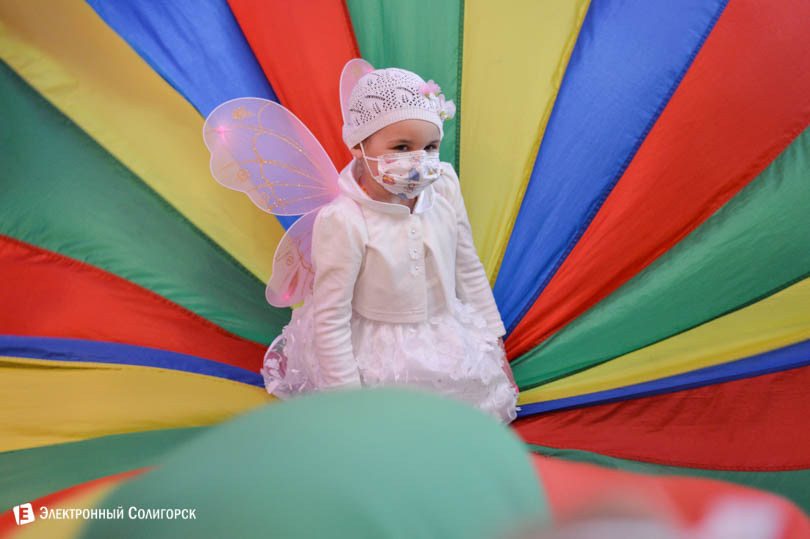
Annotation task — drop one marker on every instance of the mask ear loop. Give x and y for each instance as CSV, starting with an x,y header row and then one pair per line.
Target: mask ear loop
x,y
366,160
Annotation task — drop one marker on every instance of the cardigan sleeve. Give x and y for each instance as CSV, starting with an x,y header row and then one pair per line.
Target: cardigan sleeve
x,y
472,285
338,246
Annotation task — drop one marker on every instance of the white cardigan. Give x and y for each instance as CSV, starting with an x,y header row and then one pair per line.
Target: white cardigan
x,y
369,256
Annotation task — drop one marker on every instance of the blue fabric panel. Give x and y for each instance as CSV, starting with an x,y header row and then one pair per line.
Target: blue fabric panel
x,y
126,354
789,357
628,60
196,46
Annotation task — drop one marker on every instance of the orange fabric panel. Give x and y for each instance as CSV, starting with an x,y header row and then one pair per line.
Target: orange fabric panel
x,y
50,295
750,424
302,47
577,489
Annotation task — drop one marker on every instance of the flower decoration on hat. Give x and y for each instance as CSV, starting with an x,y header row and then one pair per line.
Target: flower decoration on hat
x,y
445,108
430,88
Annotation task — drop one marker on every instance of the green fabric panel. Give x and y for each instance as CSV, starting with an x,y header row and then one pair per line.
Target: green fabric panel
x,y
29,474
63,192
382,462
792,484
752,247
422,36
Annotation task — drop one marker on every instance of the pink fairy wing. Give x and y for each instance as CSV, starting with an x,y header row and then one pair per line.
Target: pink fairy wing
x,y
262,149
352,72
292,275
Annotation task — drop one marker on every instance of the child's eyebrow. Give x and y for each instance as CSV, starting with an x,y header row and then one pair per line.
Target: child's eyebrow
x,y
408,141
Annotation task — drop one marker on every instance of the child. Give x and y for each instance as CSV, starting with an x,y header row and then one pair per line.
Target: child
x,y
399,295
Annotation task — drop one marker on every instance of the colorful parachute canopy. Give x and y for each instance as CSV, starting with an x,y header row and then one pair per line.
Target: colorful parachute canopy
x,y
635,174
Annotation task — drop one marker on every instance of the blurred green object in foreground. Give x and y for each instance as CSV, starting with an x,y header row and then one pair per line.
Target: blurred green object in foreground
x,y
384,462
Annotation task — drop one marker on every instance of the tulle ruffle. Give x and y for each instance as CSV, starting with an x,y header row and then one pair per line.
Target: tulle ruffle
x,y
452,353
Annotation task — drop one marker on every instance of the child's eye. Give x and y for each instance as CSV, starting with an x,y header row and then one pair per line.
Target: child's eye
x,y
401,148
431,147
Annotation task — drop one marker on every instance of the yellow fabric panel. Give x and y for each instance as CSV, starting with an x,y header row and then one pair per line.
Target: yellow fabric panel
x,y
65,51
52,528
774,322
515,55
49,402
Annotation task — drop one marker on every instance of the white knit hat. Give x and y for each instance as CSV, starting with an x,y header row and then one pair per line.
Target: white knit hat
x,y
385,96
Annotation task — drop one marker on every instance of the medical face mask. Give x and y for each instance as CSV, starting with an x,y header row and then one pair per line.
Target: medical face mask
x,y
406,174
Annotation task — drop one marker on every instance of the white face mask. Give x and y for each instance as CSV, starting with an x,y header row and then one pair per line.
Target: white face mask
x,y
406,174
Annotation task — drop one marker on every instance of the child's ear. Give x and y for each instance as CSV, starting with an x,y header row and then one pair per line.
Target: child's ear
x,y
357,152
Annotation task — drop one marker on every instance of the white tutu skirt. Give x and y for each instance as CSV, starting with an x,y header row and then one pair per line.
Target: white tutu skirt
x,y
452,353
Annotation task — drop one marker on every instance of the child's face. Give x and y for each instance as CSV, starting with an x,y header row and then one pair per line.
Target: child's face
x,y
404,136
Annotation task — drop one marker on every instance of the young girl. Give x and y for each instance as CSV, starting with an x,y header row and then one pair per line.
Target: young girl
x,y
399,294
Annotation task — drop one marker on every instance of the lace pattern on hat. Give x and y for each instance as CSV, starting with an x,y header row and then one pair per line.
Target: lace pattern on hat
x,y
386,90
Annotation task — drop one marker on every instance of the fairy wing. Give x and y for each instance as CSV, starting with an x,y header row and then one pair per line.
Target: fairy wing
x,y
292,276
352,72
262,149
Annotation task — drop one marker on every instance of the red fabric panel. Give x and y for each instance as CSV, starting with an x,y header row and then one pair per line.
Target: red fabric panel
x,y
45,294
745,97
8,524
302,47
575,488
753,424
